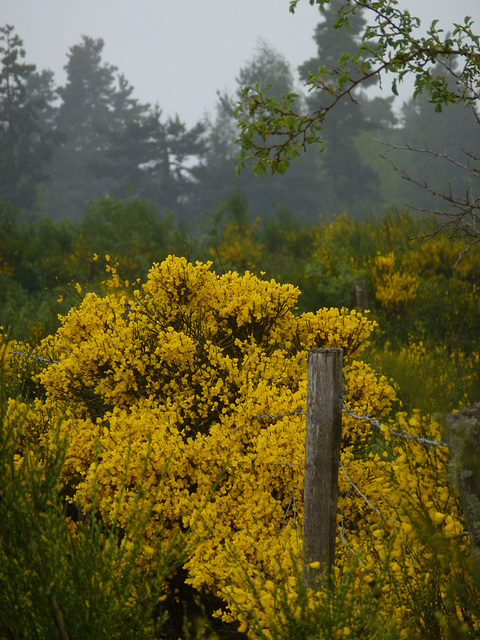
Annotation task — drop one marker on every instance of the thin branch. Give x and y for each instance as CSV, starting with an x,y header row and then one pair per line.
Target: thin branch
x,y
341,528
365,498
463,217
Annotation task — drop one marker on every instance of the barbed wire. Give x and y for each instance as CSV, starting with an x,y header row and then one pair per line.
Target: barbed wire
x,y
277,416
290,512
33,357
341,526
354,486
400,434
428,442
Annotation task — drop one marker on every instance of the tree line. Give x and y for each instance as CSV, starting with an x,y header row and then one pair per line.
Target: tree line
x,y
64,146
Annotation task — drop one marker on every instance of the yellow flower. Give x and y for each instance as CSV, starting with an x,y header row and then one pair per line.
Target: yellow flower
x,y
438,517
243,627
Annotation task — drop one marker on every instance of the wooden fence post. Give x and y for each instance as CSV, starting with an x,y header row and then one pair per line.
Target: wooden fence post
x,y
462,433
361,294
322,455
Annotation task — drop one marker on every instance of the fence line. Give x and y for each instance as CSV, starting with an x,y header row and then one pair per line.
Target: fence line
x,y
276,416
375,423
400,434
292,506
322,460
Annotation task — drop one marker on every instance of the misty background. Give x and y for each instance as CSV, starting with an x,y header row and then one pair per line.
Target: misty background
x,y
136,100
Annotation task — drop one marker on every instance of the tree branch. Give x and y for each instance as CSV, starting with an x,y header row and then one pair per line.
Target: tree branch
x,y
463,218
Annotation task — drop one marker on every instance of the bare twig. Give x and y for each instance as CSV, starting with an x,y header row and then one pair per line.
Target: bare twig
x,y
461,217
341,528
365,497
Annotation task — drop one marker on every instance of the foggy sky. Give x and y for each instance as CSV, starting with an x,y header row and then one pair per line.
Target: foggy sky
x,y
180,53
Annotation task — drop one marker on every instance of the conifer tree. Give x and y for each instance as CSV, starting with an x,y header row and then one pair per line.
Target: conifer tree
x,y
93,103
27,130
347,181
297,190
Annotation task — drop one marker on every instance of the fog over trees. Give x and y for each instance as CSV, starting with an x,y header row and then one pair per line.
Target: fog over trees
x,y
64,146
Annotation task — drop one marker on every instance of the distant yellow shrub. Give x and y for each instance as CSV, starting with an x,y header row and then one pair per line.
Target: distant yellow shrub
x,y
239,246
393,287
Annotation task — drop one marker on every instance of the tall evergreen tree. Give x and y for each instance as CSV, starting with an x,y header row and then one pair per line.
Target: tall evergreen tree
x,y
295,190
156,159
90,105
27,131
116,145
347,181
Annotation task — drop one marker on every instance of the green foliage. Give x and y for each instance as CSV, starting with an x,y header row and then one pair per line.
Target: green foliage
x,y
428,344
427,312
296,189
348,177
336,287
99,139
272,133
72,571
41,261
130,230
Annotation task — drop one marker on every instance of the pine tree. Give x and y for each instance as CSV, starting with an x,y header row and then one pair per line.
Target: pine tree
x,y
149,157
447,157
116,145
297,189
84,116
348,182
27,129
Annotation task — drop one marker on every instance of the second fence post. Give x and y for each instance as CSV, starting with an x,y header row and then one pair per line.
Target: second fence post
x,y
322,456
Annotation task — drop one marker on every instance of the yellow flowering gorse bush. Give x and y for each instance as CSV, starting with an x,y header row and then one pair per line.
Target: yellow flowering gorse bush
x,y
393,287
178,400
169,385
402,552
